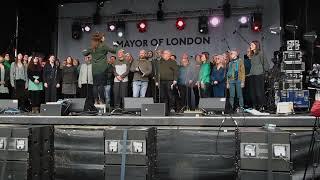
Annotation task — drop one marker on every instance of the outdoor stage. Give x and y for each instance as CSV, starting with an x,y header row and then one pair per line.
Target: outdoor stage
x,y
183,121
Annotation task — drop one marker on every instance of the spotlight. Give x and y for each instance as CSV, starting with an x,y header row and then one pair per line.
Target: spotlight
x,y
215,21
112,26
180,24
121,29
100,3
243,20
142,26
203,25
256,22
76,30
86,28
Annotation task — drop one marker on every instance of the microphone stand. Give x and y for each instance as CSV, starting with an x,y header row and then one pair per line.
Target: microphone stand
x,y
241,36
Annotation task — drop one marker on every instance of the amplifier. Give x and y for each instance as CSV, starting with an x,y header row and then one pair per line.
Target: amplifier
x,y
291,84
292,56
292,66
293,45
294,76
254,149
300,98
134,104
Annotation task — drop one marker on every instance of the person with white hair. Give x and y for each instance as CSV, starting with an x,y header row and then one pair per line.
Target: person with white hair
x,y
167,77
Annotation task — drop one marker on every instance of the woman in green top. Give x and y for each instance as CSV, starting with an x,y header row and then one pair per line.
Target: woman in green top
x,y
99,51
204,76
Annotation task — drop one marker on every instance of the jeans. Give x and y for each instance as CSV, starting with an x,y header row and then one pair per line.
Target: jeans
x,y
107,91
139,88
235,86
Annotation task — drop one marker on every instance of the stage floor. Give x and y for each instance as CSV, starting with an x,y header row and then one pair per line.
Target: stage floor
x,y
125,120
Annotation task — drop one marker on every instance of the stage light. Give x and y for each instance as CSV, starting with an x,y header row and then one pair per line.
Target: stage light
x,y
120,34
86,28
180,24
215,21
76,30
100,3
112,26
121,29
203,25
243,20
256,22
142,26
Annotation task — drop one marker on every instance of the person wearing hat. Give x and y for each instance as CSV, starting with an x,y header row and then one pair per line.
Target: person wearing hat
x,y
99,51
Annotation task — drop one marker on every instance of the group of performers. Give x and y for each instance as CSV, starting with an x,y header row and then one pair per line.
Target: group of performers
x,y
104,78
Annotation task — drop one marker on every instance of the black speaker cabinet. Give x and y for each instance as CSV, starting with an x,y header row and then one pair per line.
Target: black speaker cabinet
x,y
134,104
212,104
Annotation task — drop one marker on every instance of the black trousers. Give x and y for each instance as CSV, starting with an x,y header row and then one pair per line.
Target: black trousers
x,y
166,94
51,92
205,91
257,90
35,98
247,92
86,91
120,90
21,93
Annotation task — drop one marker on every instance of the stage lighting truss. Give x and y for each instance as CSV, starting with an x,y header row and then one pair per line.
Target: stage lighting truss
x,y
180,24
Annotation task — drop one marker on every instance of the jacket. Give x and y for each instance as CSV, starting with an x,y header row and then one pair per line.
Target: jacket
x,y
231,70
259,64
167,70
32,76
204,73
51,73
121,68
99,55
13,74
85,75
144,67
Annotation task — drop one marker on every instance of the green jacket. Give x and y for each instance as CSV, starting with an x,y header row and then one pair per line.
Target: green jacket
x,y
204,74
7,65
99,56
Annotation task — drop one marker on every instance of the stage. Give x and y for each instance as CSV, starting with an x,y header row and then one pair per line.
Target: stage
x,y
182,121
